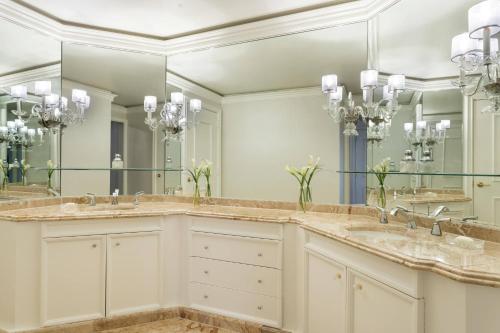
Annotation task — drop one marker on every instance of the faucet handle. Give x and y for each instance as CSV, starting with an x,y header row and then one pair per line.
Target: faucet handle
x,y
436,226
136,197
383,215
91,197
470,218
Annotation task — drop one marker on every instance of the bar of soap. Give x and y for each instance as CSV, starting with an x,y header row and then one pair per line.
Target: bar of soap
x,y
465,242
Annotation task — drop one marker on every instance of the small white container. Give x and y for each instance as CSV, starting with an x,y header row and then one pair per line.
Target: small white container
x,y
117,162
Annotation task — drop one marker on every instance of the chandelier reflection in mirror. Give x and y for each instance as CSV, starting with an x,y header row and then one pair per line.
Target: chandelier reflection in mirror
x,y
477,56
379,113
173,118
52,111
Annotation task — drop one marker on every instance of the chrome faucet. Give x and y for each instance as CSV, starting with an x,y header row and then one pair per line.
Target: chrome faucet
x,y
383,215
436,226
439,210
411,224
91,197
53,192
470,218
114,197
136,197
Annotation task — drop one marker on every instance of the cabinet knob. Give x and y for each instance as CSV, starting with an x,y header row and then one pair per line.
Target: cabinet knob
x,y
259,281
206,272
205,296
338,276
259,307
358,286
260,255
94,245
206,247
117,244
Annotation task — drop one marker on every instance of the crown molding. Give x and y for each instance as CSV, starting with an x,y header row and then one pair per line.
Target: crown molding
x,y
341,14
423,84
46,72
191,87
267,95
101,93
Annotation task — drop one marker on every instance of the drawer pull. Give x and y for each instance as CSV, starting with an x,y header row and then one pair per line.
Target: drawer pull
x,y
339,276
259,307
260,255
259,281
94,245
206,272
206,247
205,296
358,286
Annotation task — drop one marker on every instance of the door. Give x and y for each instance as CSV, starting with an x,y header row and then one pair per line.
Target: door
x,y
73,275
325,295
133,272
377,308
486,160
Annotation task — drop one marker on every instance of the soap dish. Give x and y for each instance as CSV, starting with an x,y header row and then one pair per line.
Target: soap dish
x,y
464,243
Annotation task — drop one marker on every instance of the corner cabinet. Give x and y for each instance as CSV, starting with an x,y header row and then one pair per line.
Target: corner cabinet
x,y
90,272
348,291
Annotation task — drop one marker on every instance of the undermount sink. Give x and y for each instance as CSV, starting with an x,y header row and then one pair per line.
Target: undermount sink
x,y
378,235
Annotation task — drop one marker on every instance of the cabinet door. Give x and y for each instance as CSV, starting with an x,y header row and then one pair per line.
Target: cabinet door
x,y
378,308
326,295
133,272
73,275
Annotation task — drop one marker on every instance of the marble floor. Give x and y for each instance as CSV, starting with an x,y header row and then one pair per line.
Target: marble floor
x,y
174,325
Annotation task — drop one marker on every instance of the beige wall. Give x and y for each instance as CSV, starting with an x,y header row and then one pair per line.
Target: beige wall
x,y
260,135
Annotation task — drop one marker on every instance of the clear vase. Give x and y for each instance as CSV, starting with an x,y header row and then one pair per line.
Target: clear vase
x,y
305,198
208,193
381,198
25,180
196,195
5,181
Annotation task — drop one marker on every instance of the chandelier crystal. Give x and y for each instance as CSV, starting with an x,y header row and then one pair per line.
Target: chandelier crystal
x,y
477,55
376,112
173,118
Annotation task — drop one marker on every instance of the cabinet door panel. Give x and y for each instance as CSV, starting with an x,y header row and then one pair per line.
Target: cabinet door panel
x,y
326,295
378,308
73,275
133,272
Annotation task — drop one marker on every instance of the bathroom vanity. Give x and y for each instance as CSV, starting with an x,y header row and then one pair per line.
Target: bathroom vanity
x,y
321,271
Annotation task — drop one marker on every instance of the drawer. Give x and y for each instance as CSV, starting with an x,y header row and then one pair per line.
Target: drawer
x,y
254,279
238,228
238,304
245,250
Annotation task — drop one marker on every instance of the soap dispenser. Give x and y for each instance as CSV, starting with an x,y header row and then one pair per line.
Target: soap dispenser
x,y
117,162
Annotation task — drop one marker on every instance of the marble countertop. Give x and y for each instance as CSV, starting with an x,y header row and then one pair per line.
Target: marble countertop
x,y
416,249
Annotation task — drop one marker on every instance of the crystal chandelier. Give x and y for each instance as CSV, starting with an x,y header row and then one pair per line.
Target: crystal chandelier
x,y
173,118
17,133
378,112
477,56
53,110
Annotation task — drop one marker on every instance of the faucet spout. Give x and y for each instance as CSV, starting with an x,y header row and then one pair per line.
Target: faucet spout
x,y
410,219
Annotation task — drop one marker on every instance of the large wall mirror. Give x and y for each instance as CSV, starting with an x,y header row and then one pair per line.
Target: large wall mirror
x,y
30,69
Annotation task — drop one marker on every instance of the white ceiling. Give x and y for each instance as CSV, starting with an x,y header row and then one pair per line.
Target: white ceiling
x,y
293,61
130,75
167,17
22,48
415,36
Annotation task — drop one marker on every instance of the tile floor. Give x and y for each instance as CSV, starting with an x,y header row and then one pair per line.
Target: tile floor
x,y
174,325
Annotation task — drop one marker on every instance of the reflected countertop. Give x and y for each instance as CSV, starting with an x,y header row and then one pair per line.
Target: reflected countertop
x,y
355,226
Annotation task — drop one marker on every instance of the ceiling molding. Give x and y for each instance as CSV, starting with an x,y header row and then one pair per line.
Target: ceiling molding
x,y
36,74
191,87
423,85
341,14
93,91
267,95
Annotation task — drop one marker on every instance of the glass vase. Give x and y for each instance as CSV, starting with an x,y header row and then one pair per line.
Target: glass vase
x,y
5,181
305,198
196,194
24,180
208,193
381,198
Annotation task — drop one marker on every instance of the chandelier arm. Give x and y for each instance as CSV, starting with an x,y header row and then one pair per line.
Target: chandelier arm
x,y
478,84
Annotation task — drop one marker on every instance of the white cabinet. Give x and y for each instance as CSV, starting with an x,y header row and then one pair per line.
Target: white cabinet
x,y
325,294
73,279
378,308
133,272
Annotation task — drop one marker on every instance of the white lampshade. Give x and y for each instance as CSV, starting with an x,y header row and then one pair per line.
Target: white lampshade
x,y
445,124
23,130
39,131
19,91
195,105
369,78
52,100
387,93
11,124
337,95
439,127
64,103
484,15
408,127
421,124
150,103
329,83
462,44
397,81
78,96
86,103
57,113
43,88
18,123
31,132
177,98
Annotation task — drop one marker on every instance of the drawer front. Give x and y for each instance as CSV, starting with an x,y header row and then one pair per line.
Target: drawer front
x,y
240,304
246,250
238,228
254,279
